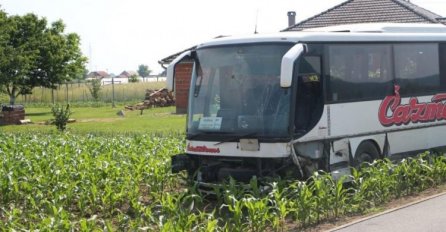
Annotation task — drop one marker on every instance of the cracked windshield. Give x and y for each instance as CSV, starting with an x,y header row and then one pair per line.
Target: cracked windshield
x,y
236,90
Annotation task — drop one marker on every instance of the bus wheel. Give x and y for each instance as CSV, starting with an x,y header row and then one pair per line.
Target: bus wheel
x,y
365,154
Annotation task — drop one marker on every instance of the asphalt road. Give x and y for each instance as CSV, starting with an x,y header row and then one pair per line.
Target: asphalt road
x,y
425,216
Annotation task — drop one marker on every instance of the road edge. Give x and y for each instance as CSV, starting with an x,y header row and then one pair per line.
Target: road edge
x,y
386,212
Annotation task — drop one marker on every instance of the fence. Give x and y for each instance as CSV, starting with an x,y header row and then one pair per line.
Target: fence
x,y
80,92
109,80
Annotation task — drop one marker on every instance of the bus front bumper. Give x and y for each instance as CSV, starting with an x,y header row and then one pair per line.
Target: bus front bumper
x,y
180,163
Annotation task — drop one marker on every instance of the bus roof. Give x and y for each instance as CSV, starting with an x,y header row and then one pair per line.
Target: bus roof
x,y
372,32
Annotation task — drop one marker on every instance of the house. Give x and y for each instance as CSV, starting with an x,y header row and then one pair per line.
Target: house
x,y
370,11
97,75
122,78
128,74
348,12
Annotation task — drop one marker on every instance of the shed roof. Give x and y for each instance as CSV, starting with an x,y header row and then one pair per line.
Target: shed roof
x,y
169,59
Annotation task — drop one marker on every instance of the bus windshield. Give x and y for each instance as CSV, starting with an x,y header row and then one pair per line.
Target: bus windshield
x,y
236,91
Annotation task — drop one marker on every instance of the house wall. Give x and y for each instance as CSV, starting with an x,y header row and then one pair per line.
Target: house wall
x,y
183,73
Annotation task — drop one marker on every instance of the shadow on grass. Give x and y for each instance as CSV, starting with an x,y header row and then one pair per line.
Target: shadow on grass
x,y
38,114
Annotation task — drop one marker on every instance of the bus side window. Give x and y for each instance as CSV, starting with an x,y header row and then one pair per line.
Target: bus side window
x,y
359,72
417,68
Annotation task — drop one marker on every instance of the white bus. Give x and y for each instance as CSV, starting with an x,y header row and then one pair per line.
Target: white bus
x,y
296,102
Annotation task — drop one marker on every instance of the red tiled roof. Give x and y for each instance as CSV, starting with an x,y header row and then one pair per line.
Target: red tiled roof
x,y
368,11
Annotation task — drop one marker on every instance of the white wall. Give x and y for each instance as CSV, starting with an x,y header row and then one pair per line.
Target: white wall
x,y
108,80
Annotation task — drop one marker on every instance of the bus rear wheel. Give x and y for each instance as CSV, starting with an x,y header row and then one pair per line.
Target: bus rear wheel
x,y
366,153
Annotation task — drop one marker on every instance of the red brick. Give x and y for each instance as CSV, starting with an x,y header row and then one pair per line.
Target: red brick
x,y
183,73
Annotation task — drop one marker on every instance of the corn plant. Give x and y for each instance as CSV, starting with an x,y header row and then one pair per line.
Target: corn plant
x,y
376,185
258,213
303,202
322,183
438,164
339,194
280,205
235,218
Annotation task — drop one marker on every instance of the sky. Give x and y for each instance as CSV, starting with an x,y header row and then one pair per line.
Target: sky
x,y
118,35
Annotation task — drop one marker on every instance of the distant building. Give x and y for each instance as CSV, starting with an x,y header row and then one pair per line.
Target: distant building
x,y
128,74
98,75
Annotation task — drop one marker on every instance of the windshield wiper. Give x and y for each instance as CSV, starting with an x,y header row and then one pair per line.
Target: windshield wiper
x,y
236,138
193,136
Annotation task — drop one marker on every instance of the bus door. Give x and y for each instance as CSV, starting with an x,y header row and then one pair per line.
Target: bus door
x,y
309,97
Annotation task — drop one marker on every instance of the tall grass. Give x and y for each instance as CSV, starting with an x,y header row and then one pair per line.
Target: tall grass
x,y
79,92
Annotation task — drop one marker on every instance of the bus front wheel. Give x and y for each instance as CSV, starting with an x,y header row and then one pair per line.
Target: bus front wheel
x,y
366,153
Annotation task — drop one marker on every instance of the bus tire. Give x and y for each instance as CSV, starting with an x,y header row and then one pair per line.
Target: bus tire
x,y
367,152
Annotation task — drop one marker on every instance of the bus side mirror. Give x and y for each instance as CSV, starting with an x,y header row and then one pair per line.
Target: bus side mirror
x,y
286,69
171,69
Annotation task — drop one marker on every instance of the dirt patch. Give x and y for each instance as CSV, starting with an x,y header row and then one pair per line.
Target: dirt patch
x,y
326,226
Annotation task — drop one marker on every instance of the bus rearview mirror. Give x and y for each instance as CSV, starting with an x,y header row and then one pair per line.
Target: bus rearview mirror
x,y
287,66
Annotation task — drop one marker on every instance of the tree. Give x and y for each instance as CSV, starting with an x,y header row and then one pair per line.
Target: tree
x,y
133,79
95,88
143,70
19,50
33,54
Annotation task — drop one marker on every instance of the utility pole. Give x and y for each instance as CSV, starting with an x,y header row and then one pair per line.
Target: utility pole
x,y
113,92
66,92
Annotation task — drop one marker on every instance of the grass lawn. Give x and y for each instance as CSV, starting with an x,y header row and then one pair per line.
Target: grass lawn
x,y
105,120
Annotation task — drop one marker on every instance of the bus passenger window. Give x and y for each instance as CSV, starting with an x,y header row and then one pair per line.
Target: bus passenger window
x,y
417,68
359,72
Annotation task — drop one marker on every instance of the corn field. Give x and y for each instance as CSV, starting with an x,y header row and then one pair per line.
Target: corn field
x,y
66,182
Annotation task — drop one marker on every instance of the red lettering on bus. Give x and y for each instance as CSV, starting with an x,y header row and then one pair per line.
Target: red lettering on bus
x,y
202,149
392,112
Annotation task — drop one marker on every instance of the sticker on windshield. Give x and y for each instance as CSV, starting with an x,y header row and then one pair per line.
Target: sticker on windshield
x,y
210,123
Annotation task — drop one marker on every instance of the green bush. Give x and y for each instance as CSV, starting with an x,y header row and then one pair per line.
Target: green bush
x,y
133,79
61,115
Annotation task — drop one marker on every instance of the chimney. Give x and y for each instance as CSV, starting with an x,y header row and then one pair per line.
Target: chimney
x,y
291,18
